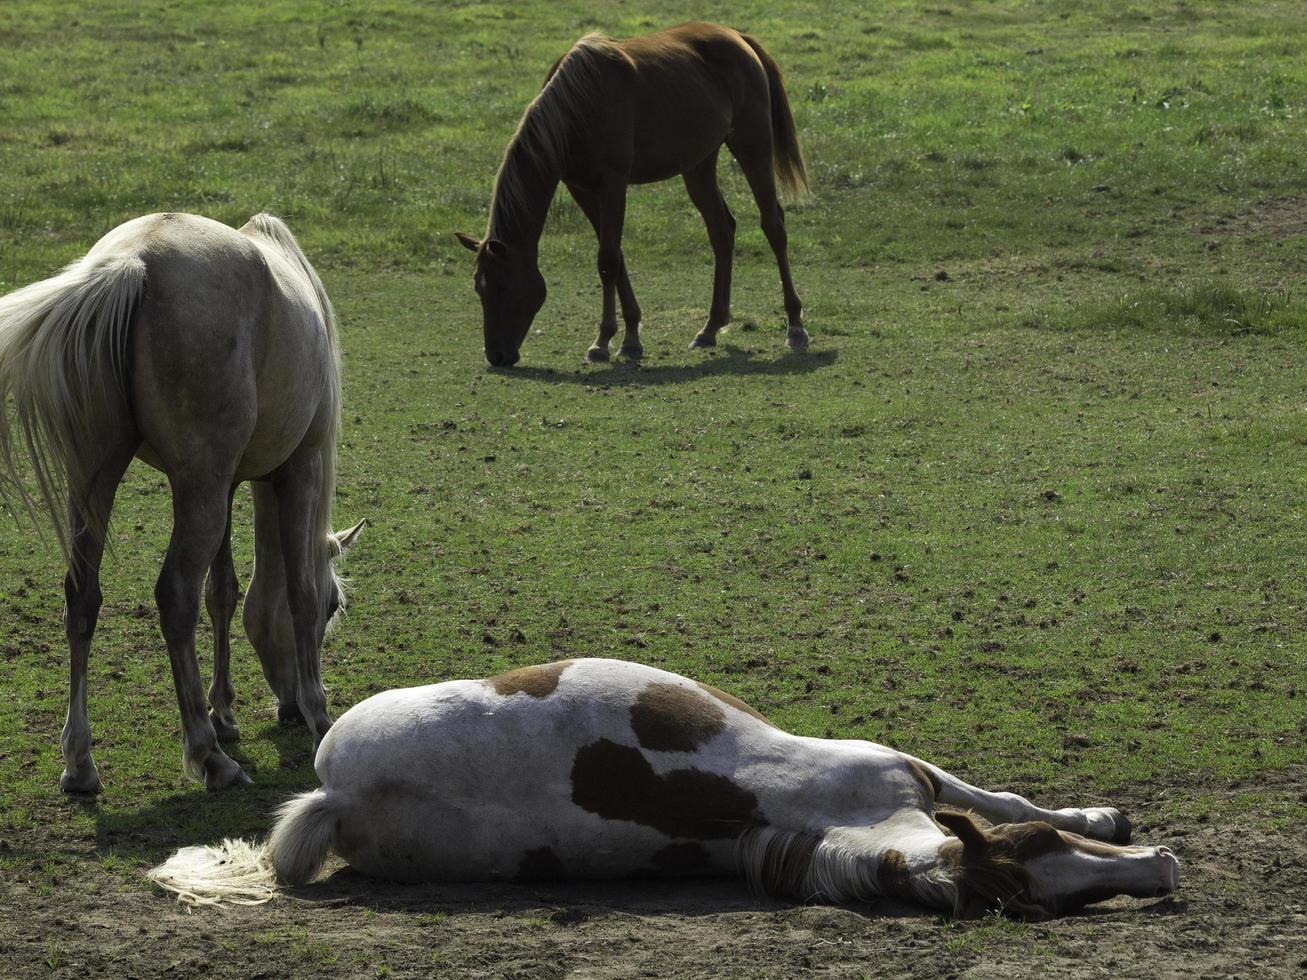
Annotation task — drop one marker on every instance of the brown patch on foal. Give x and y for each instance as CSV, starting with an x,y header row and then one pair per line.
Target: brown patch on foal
x,y
618,783
735,702
929,784
540,864
892,877
686,857
539,681
672,718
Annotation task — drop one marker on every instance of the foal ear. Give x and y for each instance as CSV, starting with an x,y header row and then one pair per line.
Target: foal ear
x,y
965,829
468,242
345,539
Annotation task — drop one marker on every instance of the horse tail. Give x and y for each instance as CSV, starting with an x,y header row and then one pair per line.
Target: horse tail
x,y
275,230
787,158
305,831
63,359
241,873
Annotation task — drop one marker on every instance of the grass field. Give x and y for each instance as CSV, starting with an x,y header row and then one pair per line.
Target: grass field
x,y
1031,506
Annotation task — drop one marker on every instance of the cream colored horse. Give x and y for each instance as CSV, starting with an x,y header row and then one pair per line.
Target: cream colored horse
x,y
210,354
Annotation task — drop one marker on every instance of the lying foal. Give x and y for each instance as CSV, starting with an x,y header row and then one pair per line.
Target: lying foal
x,y
607,769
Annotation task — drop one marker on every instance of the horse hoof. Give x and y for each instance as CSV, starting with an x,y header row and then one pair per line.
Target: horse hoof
x,y
796,338
227,731
289,715
703,340
85,784
630,352
597,355
221,772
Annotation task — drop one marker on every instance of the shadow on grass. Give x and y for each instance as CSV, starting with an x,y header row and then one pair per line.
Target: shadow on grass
x,y
726,360
196,816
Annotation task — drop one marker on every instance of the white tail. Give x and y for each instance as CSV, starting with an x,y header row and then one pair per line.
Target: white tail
x,y
242,873
234,871
63,349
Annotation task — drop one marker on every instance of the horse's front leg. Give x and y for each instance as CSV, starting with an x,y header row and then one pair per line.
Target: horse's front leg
x,y
610,206
701,184
1105,823
220,600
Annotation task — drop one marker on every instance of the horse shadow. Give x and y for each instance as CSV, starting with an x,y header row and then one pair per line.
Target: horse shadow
x,y
728,359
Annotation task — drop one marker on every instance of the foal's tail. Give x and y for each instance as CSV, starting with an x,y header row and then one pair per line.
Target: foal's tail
x,y
241,873
63,354
786,155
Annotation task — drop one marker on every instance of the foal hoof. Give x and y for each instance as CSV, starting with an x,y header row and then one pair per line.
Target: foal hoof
x,y
597,355
703,340
631,352
796,338
1107,823
289,715
226,730
81,784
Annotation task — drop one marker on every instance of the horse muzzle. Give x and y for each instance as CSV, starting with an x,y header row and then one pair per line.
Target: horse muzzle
x,y
502,358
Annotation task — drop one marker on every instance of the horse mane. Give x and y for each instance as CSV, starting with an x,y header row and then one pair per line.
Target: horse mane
x,y
544,133
275,231
807,866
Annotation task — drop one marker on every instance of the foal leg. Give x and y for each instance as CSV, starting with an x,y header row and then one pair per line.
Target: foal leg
x,y
296,484
701,183
755,158
1100,822
220,601
82,599
589,203
199,519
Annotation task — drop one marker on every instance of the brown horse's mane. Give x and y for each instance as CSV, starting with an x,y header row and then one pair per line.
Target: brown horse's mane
x,y
549,122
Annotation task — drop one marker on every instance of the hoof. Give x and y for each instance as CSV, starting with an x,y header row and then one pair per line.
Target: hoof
x,y
1122,827
597,355
83,784
221,772
226,730
796,338
1107,823
703,340
630,352
289,715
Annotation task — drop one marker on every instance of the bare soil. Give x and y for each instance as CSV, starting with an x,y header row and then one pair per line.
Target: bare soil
x,y
1241,911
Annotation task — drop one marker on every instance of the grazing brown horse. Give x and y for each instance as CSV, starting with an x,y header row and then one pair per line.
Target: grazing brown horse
x,y
615,113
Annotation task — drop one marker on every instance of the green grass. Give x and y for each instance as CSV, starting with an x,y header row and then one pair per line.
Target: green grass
x,y
1030,507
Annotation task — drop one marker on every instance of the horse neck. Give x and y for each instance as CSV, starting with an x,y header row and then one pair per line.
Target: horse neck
x,y
901,857
524,189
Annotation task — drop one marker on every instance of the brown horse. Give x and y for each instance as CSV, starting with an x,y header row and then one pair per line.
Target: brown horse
x,y
615,113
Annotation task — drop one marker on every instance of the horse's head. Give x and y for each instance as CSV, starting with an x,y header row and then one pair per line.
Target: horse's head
x,y
266,614
1033,871
512,290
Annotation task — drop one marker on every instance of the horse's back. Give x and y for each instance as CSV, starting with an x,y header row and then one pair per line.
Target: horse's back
x,y
230,352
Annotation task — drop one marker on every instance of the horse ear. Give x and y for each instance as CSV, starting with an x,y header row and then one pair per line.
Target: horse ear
x,y
468,242
345,539
965,829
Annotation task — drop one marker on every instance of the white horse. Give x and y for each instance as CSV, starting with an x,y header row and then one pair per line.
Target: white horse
x,y
603,769
211,355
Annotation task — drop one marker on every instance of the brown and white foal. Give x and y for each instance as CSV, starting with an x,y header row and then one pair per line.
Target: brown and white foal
x,y
605,769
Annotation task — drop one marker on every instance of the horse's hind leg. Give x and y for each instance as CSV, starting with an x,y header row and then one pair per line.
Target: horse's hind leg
x,y
199,518
220,601
1099,822
631,348
82,599
752,147
701,183
296,483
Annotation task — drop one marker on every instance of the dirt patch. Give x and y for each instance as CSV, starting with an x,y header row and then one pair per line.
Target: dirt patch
x,y
1241,910
1277,220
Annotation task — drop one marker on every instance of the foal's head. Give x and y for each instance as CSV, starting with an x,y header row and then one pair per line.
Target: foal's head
x,y
1032,870
512,290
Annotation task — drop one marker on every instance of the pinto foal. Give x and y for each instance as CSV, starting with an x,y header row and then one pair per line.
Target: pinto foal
x,y
606,769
